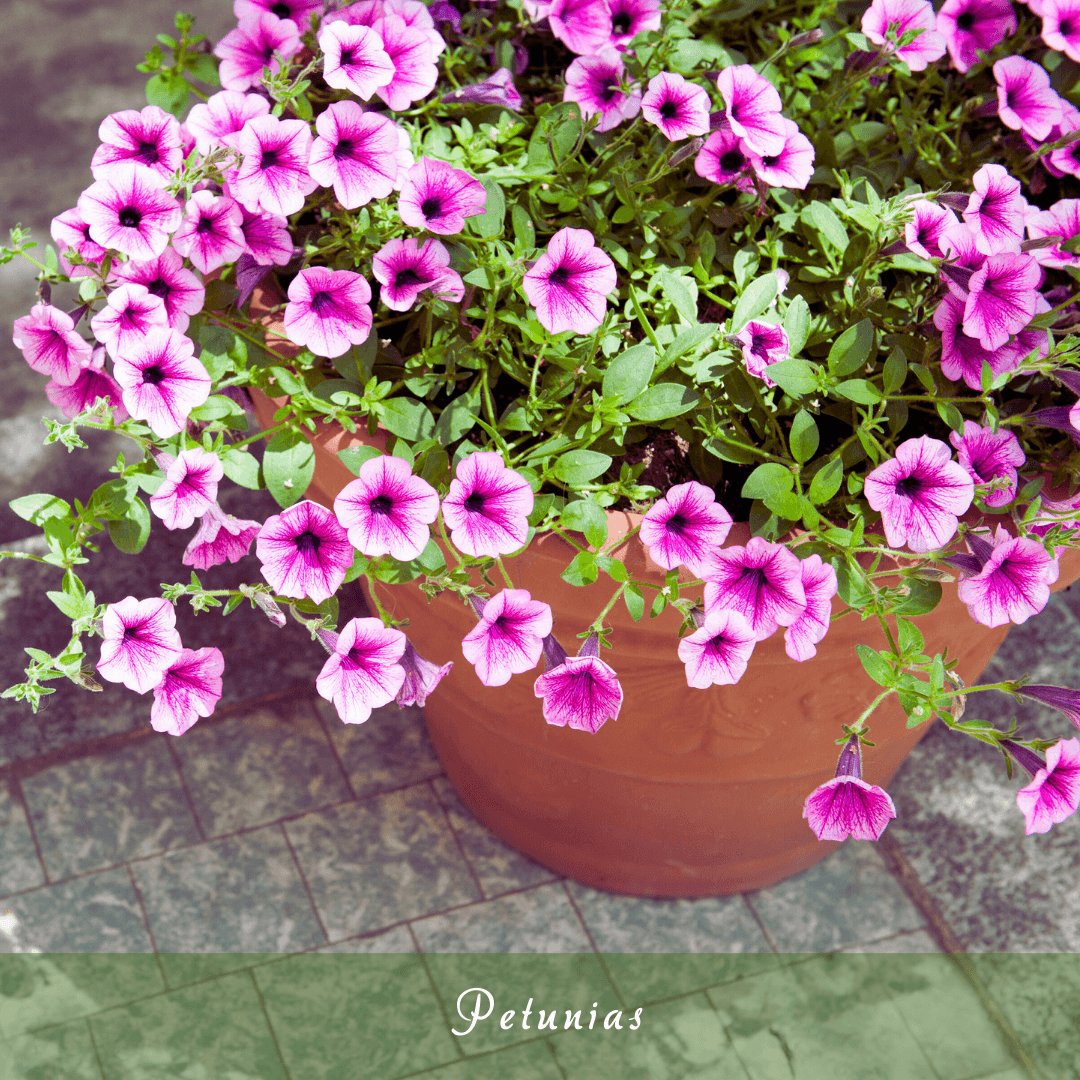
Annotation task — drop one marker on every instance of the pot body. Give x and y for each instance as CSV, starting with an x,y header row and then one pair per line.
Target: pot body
x,y
690,792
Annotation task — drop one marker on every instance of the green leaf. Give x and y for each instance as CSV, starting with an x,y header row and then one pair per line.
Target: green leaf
x,y
582,569
853,349
74,607
483,278
895,371
241,468
861,391
797,324
407,418
524,230
360,563
685,340
205,68
580,466
288,466
909,639
562,125
767,480
755,298
355,456
951,415
635,602
430,561
922,598
38,508
804,437
662,401
826,482
876,666
785,503
823,218
169,92
458,418
629,373
586,517
612,567
214,408
795,377
131,533
675,289
491,222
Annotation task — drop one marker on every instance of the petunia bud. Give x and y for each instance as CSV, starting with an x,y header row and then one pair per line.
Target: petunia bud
x,y
807,37
687,151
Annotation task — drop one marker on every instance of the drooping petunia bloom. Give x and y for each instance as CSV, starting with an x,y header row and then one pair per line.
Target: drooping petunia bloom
x,y
1026,100
987,455
995,210
130,312
753,108
630,18
723,158
581,692
509,638
677,107
50,343
1013,585
220,538
363,671
404,270
793,166
190,688
1054,792
189,489
148,139
1057,697
1061,26
72,233
593,82
354,59
361,155
413,57
583,26
820,585
273,176
171,282
438,197
684,526
1002,296
928,224
971,26
92,383
716,654
304,552
763,344
498,90
140,643
962,357
129,213
762,581
920,494
898,17
219,120
245,51
487,506
847,805
1061,220
210,234
386,510
569,284
421,677
266,238
328,310
299,11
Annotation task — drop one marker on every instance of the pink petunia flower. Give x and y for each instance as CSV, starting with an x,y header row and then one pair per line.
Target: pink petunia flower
x,y
820,585
266,238
328,310
363,671
684,526
418,15
995,210
793,166
1062,220
509,638
50,343
421,677
716,654
678,108
971,26
304,552
1013,585
928,224
723,158
438,197
987,455
957,243
753,108
219,120
129,213
249,48
273,175
148,139
162,381
1065,159
410,51
92,383
1057,697
140,642
299,11
1061,26
387,510
1054,792
962,357
361,155
1002,297
630,18
171,282
210,234
191,688
763,344
898,17
569,284
847,805
498,90
70,232
404,270
1026,100
920,494
487,506
583,26
354,59
593,82
581,692
220,538
129,313
189,489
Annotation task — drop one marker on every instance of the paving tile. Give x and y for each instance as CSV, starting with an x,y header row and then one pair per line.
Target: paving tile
x,y
676,1040
847,899
59,1053
100,810
379,861
215,1030
396,940
19,866
54,972
920,941
530,1061
829,1017
499,867
708,941
372,1017
261,766
210,904
391,750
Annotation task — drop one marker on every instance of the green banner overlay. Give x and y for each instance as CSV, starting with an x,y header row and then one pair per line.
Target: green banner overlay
x,y
355,1015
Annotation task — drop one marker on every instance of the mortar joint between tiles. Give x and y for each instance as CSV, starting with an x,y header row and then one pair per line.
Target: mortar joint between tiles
x,y
481,891
325,728
760,922
592,941
303,879
18,797
435,990
184,787
269,1025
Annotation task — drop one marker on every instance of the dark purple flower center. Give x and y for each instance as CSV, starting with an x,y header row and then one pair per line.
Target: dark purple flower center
x,y
559,276
381,504
282,11
732,161
770,161
268,53
620,23
159,287
1065,28
206,224
269,159
759,346
403,279
717,646
131,633
475,503
733,112
147,152
322,302
153,375
307,541
431,207
965,20
344,149
86,232
130,217
348,57
754,576
677,524
909,487
607,94
669,110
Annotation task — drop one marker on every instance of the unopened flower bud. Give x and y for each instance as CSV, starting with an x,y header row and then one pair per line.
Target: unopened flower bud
x,y
84,680
807,37
554,653
269,608
954,200
689,150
